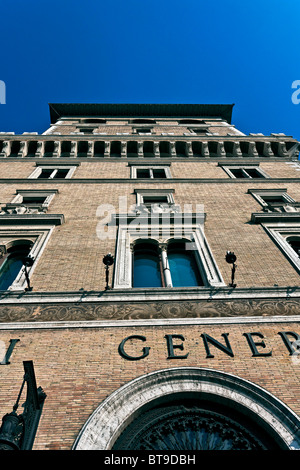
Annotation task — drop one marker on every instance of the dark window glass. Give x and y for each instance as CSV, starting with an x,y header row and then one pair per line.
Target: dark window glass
x,y
237,172
146,267
33,200
295,244
274,199
143,173
86,130
183,267
159,173
254,173
155,199
46,173
61,174
12,265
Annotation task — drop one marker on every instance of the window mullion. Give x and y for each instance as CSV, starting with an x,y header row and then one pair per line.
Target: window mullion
x,y
165,266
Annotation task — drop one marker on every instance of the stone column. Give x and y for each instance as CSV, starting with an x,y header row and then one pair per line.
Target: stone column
x,y
40,149
140,146
189,149
156,149
165,264
205,149
268,149
90,152
221,150
23,149
73,152
237,149
252,151
282,152
6,149
172,149
106,149
57,149
123,149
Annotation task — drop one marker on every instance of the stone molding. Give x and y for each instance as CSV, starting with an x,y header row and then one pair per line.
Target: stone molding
x,y
155,310
108,421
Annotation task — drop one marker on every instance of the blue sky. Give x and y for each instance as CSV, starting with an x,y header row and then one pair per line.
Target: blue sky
x,y
159,51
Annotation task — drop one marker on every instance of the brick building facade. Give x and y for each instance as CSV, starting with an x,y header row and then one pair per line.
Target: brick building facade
x,y
168,190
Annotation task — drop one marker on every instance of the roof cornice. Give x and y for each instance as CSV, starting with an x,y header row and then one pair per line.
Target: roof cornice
x,y
59,110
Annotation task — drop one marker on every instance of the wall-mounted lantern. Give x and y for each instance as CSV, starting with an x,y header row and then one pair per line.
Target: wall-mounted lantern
x,y
27,262
231,259
108,260
18,431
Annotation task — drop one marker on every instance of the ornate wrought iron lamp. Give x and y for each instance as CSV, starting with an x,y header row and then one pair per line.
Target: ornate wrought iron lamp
x,y
108,260
17,432
231,259
27,262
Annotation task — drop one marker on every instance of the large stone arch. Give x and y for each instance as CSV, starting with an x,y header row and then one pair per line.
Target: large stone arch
x,y
118,410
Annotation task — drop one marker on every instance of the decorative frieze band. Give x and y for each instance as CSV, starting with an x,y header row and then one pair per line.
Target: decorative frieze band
x,y
184,310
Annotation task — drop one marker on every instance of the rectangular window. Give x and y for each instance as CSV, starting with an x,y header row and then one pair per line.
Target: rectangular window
x,y
148,200
276,200
198,130
53,172
143,173
30,201
235,171
86,130
150,172
155,199
143,131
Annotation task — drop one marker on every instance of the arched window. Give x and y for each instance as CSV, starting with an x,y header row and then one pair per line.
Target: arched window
x,y
177,268
146,266
190,409
12,263
183,266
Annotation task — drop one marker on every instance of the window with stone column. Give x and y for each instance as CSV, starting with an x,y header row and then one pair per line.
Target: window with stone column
x,y
164,255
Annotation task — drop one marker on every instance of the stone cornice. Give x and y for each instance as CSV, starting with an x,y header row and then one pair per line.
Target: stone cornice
x,y
134,181
143,137
32,219
266,217
151,322
152,294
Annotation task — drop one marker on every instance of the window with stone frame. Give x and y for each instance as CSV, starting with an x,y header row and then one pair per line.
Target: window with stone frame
x,y
287,237
150,172
244,171
155,200
30,201
15,246
153,254
275,200
53,172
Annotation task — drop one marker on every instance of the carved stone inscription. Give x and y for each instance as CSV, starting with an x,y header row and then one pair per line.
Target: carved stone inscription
x,y
175,345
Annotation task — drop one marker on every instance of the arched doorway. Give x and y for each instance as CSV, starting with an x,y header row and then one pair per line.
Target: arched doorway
x,y
190,409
